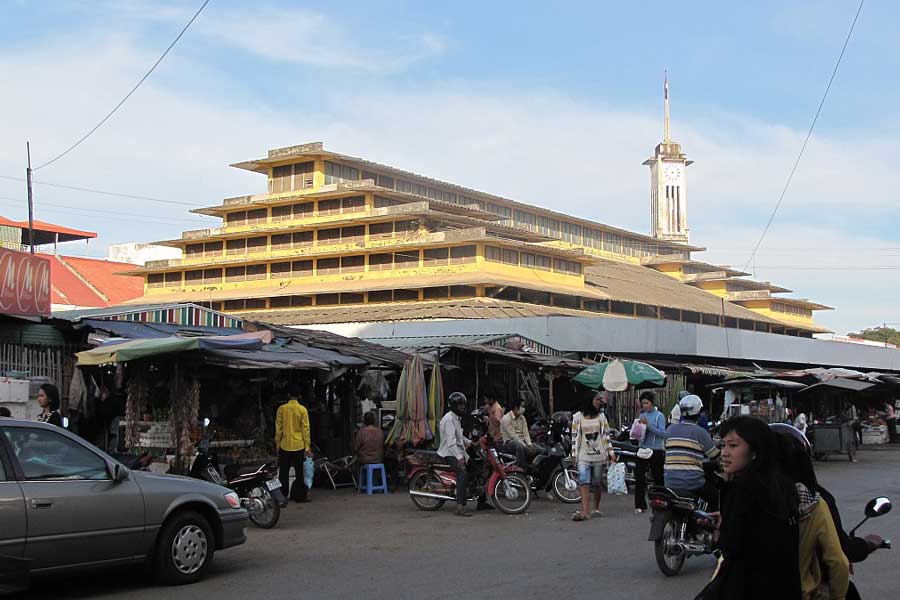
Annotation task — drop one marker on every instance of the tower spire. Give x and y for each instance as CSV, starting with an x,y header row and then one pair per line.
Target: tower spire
x,y
666,95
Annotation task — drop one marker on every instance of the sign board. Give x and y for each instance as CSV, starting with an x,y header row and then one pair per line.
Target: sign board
x,y
24,284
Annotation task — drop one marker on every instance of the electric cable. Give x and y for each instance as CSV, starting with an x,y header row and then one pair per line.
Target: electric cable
x,y
102,192
127,96
805,141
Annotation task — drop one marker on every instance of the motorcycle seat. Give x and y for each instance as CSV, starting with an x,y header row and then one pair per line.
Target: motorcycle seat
x,y
431,457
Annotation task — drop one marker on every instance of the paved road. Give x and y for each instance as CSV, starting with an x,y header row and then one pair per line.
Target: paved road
x,y
342,545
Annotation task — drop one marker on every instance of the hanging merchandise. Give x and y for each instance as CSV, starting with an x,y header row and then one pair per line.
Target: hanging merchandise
x,y
411,426
435,401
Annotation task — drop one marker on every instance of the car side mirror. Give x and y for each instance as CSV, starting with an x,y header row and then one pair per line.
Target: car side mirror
x,y
878,506
120,473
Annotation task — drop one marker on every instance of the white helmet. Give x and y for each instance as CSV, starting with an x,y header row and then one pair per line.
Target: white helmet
x,y
690,405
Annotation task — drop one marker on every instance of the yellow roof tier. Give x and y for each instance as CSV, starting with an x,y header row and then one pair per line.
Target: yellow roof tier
x,y
299,287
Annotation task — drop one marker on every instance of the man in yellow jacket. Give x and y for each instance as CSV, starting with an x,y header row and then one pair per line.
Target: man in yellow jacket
x,y
292,443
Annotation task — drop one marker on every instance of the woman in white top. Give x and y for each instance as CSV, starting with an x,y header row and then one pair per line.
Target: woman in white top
x,y
592,452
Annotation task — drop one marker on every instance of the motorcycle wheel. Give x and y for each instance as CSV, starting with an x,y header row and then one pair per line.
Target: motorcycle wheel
x,y
668,562
425,481
268,516
562,493
517,500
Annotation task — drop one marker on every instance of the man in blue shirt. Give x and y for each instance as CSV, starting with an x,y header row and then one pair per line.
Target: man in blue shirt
x,y
654,441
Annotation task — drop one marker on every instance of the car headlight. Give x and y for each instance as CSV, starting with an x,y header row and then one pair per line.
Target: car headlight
x,y
233,500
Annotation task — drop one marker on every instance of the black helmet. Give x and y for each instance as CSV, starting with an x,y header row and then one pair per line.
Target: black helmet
x,y
457,403
791,431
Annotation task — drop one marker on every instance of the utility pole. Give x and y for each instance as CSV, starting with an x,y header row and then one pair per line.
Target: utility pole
x,y
30,199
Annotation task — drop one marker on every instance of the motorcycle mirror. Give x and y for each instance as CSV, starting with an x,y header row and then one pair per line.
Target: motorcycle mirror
x,y
878,506
206,422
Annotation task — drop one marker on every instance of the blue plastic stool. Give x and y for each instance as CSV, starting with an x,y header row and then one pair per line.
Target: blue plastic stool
x,y
367,483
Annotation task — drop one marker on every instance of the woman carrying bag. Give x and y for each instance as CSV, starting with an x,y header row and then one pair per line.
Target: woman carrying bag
x,y
592,452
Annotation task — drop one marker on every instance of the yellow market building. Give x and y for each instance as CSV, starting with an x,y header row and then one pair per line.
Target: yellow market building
x,y
338,239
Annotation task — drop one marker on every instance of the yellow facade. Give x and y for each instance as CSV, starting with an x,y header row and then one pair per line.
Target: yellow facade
x,y
333,229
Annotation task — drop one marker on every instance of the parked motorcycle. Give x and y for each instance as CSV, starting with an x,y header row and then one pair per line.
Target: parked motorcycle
x,y
551,470
259,491
680,527
432,479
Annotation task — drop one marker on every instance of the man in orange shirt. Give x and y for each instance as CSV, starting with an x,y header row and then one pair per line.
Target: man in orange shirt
x,y
495,414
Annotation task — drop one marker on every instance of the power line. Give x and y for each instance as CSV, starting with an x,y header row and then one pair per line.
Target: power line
x,y
127,96
105,193
831,268
806,141
79,209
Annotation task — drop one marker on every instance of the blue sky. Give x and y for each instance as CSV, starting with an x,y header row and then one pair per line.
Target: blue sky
x,y
549,104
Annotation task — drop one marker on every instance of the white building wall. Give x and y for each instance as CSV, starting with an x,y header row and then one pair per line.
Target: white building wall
x,y
642,336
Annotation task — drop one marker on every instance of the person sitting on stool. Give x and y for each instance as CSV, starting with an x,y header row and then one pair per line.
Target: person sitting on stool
x,y
369,446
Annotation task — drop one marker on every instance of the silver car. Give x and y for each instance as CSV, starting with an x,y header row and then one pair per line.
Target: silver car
x,y
65,505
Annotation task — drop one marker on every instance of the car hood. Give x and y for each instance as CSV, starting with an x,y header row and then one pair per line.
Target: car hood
x,y
158,483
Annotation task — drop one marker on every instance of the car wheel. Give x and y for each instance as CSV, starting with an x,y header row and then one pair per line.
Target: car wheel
x,y
184,549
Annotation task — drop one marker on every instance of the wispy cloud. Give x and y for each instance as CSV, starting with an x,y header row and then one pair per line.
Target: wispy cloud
x,y
313,38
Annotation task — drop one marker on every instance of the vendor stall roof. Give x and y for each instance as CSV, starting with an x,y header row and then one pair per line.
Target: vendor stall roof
x,y
376,355
144,348
133,330
532,358
852,385
747,381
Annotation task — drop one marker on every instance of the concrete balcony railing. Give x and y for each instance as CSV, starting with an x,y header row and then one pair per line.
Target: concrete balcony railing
x,y
748,295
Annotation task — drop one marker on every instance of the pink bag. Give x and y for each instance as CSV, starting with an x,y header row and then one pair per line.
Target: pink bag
x,y
638,430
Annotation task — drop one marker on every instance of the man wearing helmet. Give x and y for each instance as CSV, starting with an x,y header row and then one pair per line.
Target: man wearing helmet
x,y
687,446
453,447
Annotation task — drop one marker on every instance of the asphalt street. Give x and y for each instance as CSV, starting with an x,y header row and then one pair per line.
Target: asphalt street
x,y
345,545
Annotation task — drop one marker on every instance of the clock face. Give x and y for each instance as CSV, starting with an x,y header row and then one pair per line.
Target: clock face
x,y
672,173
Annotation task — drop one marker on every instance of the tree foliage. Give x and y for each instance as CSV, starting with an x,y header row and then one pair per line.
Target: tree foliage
x,y
879,334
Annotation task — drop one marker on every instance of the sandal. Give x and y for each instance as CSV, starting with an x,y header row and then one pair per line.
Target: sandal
x,y
579,517
596,513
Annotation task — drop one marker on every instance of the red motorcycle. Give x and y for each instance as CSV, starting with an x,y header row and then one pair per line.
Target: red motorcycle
x,y
432,479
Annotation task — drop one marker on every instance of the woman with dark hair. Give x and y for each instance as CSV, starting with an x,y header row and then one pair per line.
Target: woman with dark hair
x,y
824,570
758,531
48,400
592,452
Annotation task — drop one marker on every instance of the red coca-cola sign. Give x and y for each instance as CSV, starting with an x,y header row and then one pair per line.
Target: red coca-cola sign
x,y
24,284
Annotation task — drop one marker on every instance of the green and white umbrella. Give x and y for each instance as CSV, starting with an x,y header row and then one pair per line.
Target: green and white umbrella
x,y
618,375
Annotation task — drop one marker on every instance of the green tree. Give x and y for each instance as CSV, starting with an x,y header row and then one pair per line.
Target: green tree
x,y
880,333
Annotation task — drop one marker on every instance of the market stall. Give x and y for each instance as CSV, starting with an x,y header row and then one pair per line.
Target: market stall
x,y
767,398
832,416
170,384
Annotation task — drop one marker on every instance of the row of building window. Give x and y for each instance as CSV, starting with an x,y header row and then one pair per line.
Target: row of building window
x,y
355,234
300,210
531,260
509,293
386,261
451,292
791,309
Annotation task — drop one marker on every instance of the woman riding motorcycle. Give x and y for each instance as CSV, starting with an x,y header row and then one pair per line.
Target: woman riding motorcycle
x,y
856,549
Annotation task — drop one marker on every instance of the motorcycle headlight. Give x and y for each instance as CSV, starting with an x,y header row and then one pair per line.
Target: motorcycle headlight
x,y
232,499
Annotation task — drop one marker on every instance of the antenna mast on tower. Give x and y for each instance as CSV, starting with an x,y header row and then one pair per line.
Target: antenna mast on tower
x,y
666,95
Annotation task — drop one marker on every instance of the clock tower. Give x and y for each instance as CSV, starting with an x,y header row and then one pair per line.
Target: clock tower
x,y
668,187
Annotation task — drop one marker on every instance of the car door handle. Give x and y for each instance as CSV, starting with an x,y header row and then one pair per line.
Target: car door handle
x,y
39,503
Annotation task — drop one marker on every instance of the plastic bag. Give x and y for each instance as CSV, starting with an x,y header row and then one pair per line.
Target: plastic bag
x,y
309,468
638,430
615,479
